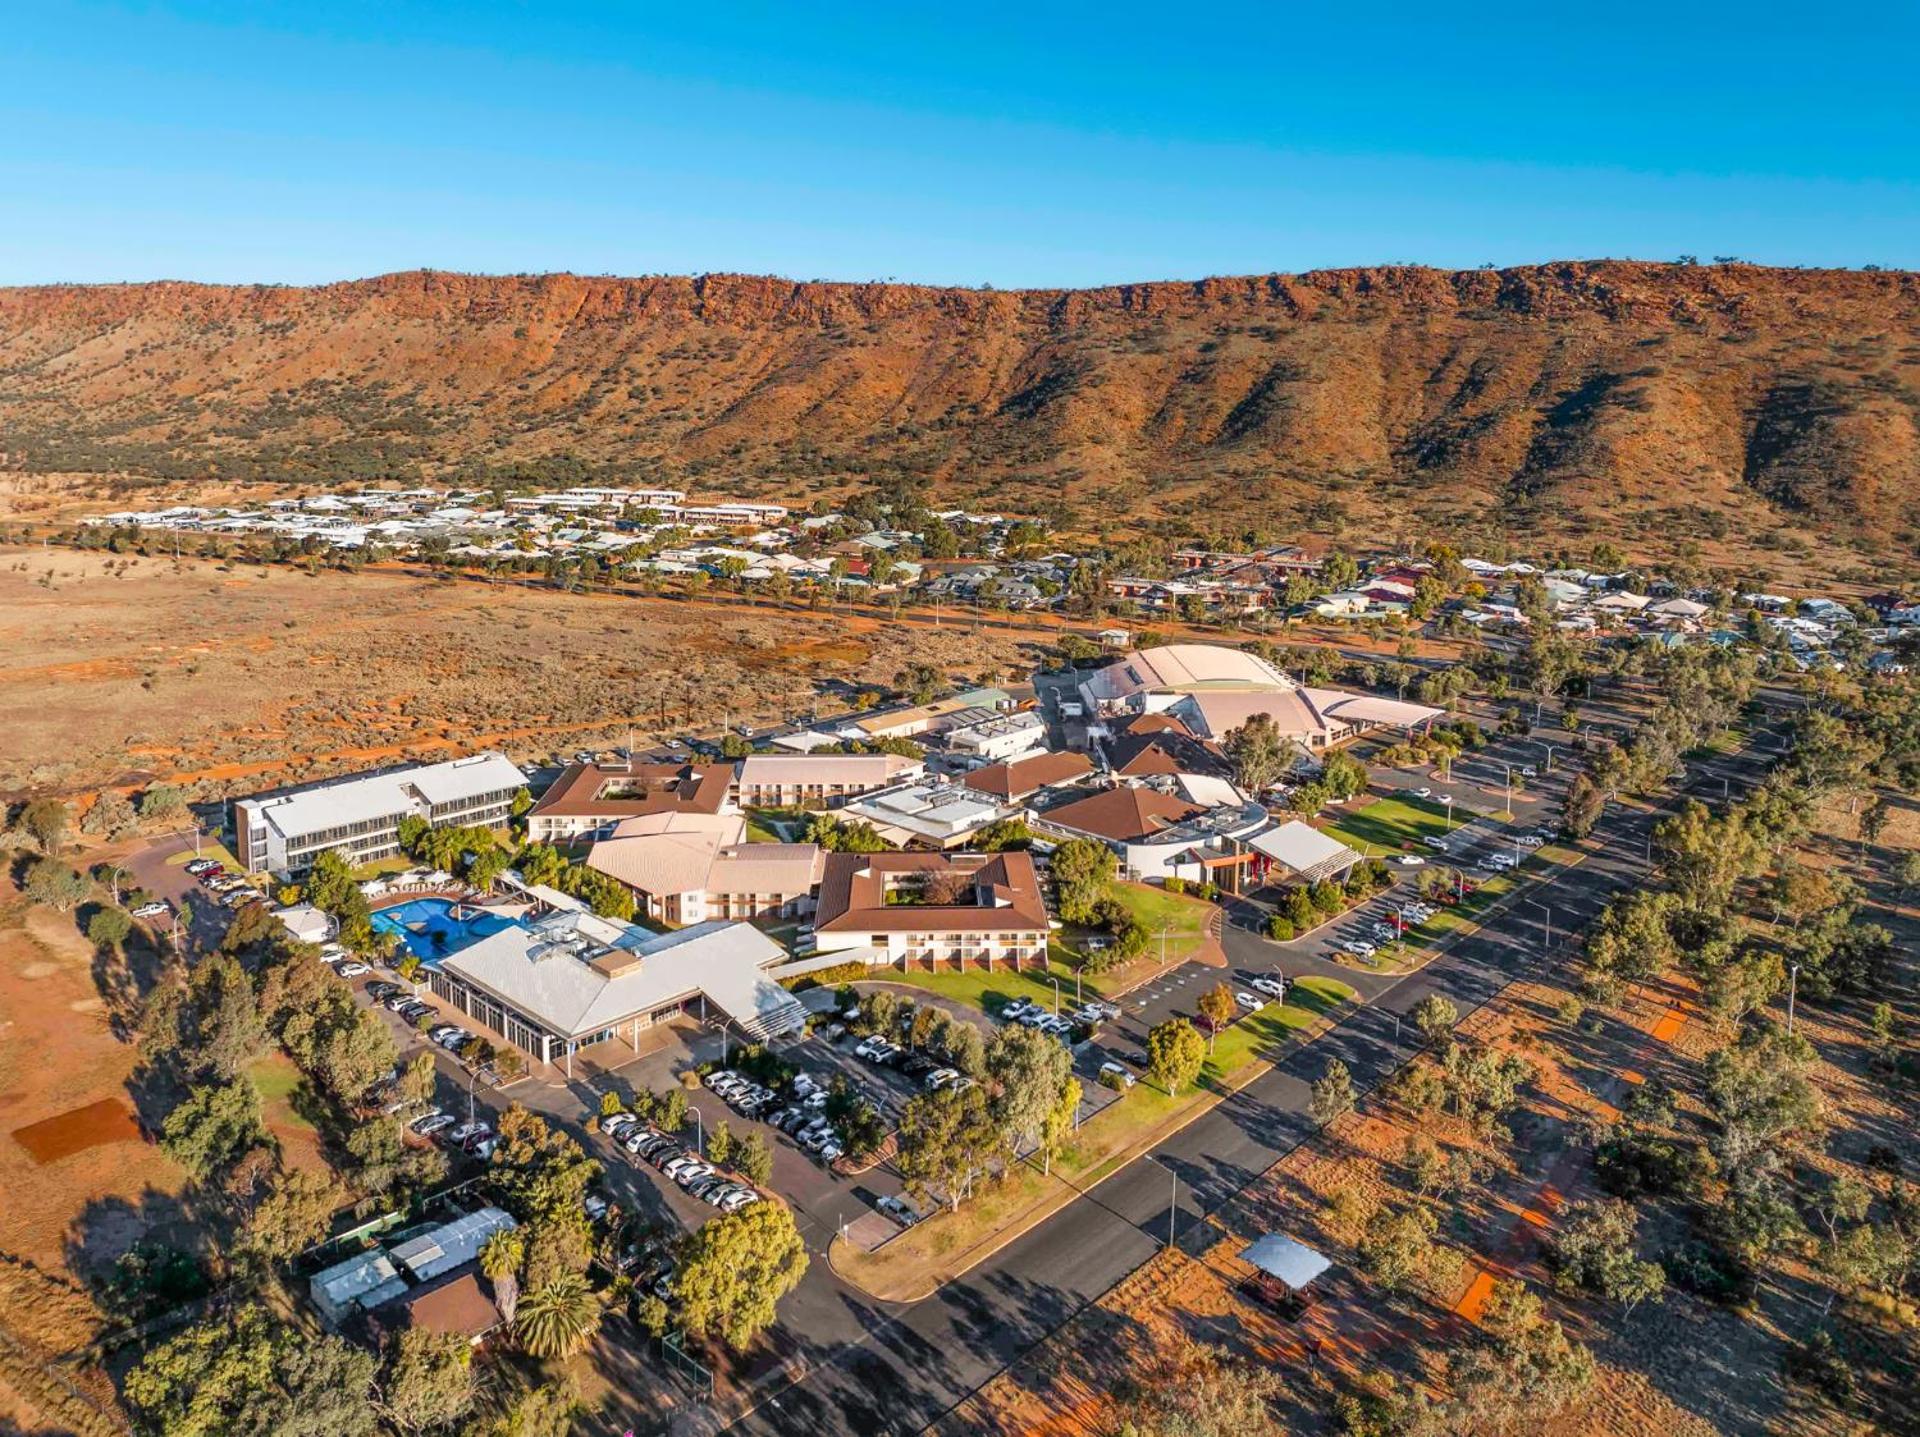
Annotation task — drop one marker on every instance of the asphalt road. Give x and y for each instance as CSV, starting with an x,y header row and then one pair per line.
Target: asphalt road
x,y
875,1368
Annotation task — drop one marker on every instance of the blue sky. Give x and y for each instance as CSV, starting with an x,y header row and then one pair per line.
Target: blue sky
x,y
1036,144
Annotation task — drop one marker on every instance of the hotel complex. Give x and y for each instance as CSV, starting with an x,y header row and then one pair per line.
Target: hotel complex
x,y
284,832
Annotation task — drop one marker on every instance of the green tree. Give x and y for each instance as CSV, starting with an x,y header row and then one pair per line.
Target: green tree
x,y
1027,1071
1059,1123
753,1159
500,1260
1216,1005
209,1130
1175,1054
58,886
735,1269
1524,1366
1331,1096
557,1318
45,821
1435,1016
246,1373
294,1215
1258,753
1082,872
162,803
947,1140
429,1382
1398,1246
108,927
720,1144
1593,1251
538,1171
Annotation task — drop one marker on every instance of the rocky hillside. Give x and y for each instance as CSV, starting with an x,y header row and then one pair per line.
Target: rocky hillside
x,y
1712,404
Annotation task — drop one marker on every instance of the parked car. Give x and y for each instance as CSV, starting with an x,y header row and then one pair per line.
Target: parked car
x,y
1360,946
1118,1072
1531,772
1423,793
427,1127
871,1049
897,1209
1013,1011
734,1201
617,1123
1251,1002
1275,986
464,1131
151,910
719,1076
940,1077
1411,860
355,969
198,866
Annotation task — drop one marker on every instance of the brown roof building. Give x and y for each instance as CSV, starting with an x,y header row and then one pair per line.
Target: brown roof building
x,y
589,799
1142,755
933,909
1023,776
1122,815
460,1303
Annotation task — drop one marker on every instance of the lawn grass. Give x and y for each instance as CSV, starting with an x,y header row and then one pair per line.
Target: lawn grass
x,y
1156,909
773,825
1263,1034
383,867
1392,825
990,991
278,1082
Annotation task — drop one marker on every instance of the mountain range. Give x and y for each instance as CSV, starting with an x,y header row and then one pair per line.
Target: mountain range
x,y
1662,407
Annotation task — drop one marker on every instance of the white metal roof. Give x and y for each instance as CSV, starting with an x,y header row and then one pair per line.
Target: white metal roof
x,y
450,1244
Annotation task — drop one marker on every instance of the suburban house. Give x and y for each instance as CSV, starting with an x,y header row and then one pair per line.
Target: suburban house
x,y
933,910
929,813
817,780
690,868
568,979
1213,690
589,800
1023,777
284,831
1162,835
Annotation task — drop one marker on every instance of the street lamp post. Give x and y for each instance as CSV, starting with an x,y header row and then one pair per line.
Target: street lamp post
x,y
1793,989
1447,799
699,1133
1546,944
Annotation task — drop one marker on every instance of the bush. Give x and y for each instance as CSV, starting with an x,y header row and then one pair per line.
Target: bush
x,y
1280,928
839,974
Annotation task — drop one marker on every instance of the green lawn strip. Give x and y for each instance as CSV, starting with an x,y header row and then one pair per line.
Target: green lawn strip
x,y
1449,921
1391,824
1155,908
1263,1034
1105,1143
989,991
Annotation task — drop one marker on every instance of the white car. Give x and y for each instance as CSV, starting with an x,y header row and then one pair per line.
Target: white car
x,y
1530,772
1530,840
1362,948
1017,1009
1423,793
1411,860
1502,860
353,970
150,910
1118,1072
1248,1001
616,1123
870,1049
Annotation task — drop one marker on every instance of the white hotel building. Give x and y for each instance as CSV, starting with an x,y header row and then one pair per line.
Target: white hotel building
x,y
284,832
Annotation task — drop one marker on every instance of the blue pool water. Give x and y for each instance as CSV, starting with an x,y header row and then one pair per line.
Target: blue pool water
x,y
431,931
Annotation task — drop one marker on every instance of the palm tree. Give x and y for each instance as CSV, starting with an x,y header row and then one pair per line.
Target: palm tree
x,y
500,1260
556,1319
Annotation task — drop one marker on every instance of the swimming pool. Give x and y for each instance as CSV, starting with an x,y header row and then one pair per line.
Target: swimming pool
x,y
433,928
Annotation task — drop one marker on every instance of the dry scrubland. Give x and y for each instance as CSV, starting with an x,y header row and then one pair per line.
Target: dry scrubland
x,y
1679,1367
232,677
